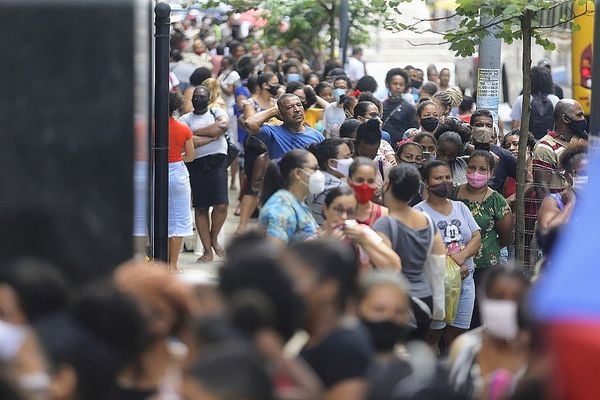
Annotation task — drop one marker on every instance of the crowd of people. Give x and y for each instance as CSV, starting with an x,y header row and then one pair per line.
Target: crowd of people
x,y
380,266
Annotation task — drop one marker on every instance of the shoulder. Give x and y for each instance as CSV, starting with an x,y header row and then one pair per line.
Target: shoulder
x,y
314,133
462,207
382,224
420,206
179,126
268,129
218,112
186,118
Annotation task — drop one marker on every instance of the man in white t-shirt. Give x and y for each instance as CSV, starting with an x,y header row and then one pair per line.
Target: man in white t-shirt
x,y
334,115
355,68
228,79
208,171
541,83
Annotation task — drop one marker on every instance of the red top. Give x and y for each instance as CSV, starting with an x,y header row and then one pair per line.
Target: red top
x,y
374,215
179,133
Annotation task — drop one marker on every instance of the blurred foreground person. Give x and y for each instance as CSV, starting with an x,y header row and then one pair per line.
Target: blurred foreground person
x,y
228,373
324,274
166,303
264,308
402,368
30,288
87,347
491,359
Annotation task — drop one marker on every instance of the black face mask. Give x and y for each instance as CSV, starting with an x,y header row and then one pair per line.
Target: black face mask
x,y
416,84
429,123
385,334
199,103
273,90
578,127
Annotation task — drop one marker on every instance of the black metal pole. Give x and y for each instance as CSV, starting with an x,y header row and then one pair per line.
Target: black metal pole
x,y
344,31
595,116
162,21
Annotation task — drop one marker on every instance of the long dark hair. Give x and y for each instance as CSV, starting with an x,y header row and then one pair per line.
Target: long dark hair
x,y
277,175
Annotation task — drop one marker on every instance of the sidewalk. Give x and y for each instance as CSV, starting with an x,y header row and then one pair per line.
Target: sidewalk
x,y
187,260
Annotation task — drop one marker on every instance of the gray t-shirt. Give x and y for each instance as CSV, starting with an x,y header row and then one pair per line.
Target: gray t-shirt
x,y
197,121
412,245
457,229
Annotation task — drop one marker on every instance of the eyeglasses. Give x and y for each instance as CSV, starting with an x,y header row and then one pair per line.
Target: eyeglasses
x,y
374,115
340,211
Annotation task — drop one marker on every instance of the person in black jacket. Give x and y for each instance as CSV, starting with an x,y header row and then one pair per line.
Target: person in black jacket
x,y
398,113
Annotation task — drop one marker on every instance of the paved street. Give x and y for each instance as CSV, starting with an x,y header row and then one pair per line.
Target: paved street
x,y
187,259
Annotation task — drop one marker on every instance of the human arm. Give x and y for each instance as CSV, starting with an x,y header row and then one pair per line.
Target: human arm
x,y
306,384
504,221
189,150
254,123
380,253
199,141
470,250
541,181
350,389
504,229
214,130
551,216
322,102
187,100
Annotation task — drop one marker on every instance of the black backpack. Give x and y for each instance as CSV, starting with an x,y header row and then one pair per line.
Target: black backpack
x,y
541,118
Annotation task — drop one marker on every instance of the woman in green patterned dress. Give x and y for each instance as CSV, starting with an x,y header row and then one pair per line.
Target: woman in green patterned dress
x,y
491,212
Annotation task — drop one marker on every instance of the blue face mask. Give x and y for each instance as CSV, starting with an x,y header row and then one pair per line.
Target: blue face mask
x,y
338,92
293,77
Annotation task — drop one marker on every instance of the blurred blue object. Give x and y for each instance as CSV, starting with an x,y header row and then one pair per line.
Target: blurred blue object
x,y
570,288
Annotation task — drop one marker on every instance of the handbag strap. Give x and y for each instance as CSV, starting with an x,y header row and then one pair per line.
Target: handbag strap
x,y
394,229
394,111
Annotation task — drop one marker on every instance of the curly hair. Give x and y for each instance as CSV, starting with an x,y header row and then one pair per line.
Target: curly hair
x,y
572,155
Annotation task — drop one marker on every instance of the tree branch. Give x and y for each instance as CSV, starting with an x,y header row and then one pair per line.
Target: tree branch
x,y
427,44
322,4
561,22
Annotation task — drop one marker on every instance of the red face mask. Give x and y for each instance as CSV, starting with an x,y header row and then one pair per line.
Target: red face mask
x,y
363,192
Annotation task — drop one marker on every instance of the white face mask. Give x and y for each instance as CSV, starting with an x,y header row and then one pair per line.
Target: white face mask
x,y
499,318
36,385
343,166
579,183
316,183
11,339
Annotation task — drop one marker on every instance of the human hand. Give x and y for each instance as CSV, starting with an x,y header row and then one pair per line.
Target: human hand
x,y
459,258
356,232
464,272
269,344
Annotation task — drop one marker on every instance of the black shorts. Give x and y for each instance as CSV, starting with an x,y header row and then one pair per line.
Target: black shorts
x,y
208,178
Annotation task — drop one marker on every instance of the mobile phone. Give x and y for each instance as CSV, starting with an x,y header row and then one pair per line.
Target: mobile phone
x,y
428,157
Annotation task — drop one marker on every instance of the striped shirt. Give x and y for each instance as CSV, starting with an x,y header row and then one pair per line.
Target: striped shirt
x,y
546,154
